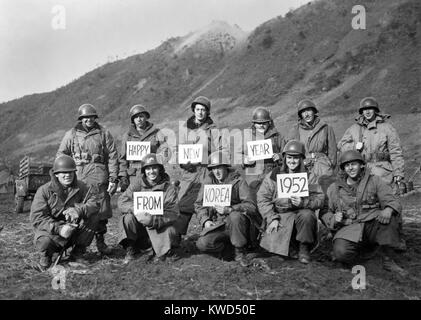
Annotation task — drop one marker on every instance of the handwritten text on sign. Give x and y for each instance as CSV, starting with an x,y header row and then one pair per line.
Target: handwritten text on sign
x,y
190,153
217,195
148,201
260,149
136,150
292,184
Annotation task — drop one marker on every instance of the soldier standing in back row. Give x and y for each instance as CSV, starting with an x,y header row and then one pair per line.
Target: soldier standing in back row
x,y
140,130
93,149
319,140
378,142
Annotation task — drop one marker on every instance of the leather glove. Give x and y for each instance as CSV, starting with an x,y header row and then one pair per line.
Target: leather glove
x,y
124,183
66,230
71,215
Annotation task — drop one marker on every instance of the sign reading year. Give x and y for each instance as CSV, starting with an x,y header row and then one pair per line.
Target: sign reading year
x,y
217,195
151,202
190,153
259,150
136,150
292,184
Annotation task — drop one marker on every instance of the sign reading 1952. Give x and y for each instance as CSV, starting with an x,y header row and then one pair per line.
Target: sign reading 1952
x,y
292,184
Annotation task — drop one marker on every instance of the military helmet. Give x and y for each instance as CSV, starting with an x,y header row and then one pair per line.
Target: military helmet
x,y
87,110
368,102
306,104
203,101
294,147
64,163
261,115
138,108
150,160
350,155
219,158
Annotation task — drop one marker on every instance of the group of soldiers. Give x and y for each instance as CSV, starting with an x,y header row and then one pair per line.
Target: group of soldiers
x,y
352,189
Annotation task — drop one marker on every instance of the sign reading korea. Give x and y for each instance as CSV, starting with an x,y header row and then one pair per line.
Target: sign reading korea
x,y
151,202
136,150
217,195
190,153
260,149
292,184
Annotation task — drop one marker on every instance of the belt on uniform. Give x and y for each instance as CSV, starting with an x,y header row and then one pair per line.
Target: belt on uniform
x,y
315,155
377,156
96,158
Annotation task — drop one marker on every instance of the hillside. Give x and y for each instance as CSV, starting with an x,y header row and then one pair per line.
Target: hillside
x,y
311,52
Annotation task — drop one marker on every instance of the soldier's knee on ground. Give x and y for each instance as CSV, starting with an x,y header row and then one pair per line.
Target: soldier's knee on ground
x,y
204,244
344,251
306,216
46,244
128,219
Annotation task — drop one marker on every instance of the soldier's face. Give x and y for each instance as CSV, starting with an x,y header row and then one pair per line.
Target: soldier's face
x,y
353,169
140,120
200,112
369,113
65,178
220,173
292,161
261,127
308,115
89,121
152,172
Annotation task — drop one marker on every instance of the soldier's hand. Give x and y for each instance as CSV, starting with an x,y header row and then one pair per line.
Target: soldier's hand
x,y
276,157
112,188
209,224
144,218
273,227
247,161
339,216
396,179
66,231
223,210
124,183
296,201
384,216
71,215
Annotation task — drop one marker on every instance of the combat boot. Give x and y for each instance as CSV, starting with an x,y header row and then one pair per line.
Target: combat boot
x,y
304,254
101,245
44,261
77,255
241,258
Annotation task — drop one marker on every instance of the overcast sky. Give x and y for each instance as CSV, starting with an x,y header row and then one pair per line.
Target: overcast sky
x,y
35,57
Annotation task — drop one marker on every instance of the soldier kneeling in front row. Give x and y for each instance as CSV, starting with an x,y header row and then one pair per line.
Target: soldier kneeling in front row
x,y
140,231
64,213
363,211
227,225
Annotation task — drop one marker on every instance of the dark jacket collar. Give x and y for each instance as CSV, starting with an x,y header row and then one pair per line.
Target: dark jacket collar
x,y
268,134
380,118
191,124
134,133
79,126
284,169
160,186
304,125
232,177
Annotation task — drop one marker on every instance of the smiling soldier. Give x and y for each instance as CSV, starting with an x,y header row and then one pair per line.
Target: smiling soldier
x,y
363,211
93,149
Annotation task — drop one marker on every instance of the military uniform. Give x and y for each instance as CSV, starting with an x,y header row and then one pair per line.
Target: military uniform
x,y
161,233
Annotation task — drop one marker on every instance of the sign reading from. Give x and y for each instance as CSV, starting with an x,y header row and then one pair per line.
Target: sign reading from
x,y
292,184
260,149
151,202
190,153
136,150
217,195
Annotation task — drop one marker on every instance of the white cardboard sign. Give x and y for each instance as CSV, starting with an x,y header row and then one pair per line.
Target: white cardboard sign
x,y
260,149
136,150
292,184
151,202
217,195
190,153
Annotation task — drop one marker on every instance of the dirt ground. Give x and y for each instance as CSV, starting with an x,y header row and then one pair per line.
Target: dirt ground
x,y
199,276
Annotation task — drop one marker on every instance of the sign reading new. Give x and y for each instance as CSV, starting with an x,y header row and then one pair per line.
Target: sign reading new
x,y
292,184
136,150
217,195
151,202
190,153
